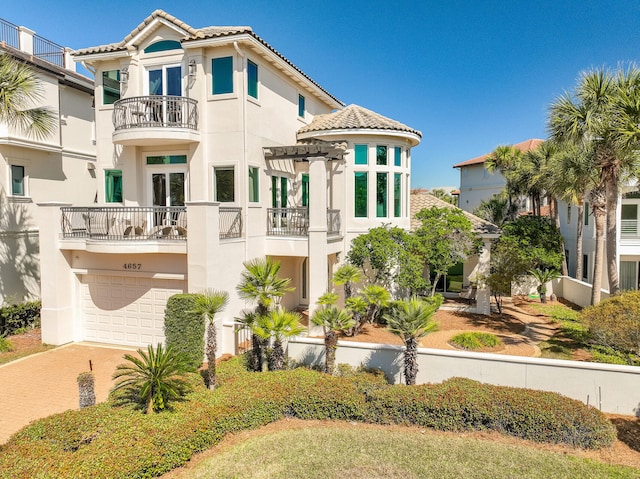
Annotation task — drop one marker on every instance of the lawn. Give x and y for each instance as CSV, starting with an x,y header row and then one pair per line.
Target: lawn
x,y
335,450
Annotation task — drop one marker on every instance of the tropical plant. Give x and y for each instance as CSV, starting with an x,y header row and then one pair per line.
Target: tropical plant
x,y
444,196
154,378
207,305
496,209
475,340
357,307
279,324
327,299
248,319
503,159
376,297
346,275
333,321
411,320
20,89
543,277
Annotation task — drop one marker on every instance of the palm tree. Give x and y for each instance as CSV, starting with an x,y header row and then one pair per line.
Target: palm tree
x,y
411,320
332,320
503,159
249,320
280,324
20,89
376,297
496,209
327,299
207,305
543,277
598,202
357,307
155,378
346,275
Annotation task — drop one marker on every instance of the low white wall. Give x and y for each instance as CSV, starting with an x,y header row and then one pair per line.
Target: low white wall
x,y
611,388
578,292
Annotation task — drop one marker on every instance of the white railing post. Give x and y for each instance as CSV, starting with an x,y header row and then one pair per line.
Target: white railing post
x,y
26,39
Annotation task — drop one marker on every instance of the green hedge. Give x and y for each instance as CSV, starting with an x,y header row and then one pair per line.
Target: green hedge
x,y
183,329
113,442
18,316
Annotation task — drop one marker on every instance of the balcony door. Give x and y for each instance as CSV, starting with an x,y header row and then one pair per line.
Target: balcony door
x,y
165,80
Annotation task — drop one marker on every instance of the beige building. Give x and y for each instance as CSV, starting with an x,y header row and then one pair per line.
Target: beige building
x,y
213,149
34,170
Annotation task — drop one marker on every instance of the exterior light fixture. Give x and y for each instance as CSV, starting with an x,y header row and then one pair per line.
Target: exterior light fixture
x,y
124,75
192,68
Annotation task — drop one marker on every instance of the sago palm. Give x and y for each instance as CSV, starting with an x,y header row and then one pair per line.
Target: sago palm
x,y
333,320
279,324
154,378
346,275
411,320
377,297
207,305
249,320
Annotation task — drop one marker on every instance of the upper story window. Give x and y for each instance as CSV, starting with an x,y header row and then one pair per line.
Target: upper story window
x,y
222,74
397,156
397,195
113,186
305,189
224,184
252,79
362,155
301,107
163,46
381,155
18,181
360,196
165,80
110,87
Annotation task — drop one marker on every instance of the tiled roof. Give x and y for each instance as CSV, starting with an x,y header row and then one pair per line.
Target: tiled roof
x,y
523,146
425,200
194,34
355,117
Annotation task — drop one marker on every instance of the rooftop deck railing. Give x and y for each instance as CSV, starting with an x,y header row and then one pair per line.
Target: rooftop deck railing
x,y
9,34
155,111
42,48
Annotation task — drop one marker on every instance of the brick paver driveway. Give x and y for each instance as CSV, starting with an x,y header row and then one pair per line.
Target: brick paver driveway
x,y
38,386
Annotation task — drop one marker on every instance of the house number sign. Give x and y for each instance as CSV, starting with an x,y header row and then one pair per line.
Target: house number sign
x,y
132,266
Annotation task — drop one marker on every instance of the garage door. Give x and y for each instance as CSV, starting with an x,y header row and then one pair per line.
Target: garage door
x,y
125,310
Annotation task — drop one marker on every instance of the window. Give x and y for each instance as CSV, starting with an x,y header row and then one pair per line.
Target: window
x,y
568,214
113,186
381,195
279,191
284,191
166,80
362,155
381,155
254,184
224,185
628,275
222,73
167,160
301,109
397,195
110,87
397,156
586,214
585,267
305,189
163,46
360,195
17,181
252,79
629,216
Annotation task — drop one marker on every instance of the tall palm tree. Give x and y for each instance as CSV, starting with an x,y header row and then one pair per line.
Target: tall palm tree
x,y
20,90
496,209
207,305
346,275
279,324
411,320
599,113
504,159
249,319
598,202
333,320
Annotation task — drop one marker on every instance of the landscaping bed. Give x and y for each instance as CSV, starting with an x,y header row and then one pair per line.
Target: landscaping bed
x,y
24,344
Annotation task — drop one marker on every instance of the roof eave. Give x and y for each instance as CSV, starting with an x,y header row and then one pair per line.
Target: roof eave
x,y
412,138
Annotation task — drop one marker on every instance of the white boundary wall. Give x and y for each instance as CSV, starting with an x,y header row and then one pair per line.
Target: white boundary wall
x,y
609,387
578,292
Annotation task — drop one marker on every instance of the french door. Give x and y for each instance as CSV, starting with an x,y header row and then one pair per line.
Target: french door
x,y
168,188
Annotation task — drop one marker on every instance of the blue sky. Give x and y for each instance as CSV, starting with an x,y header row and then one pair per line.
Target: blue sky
x,y
470,75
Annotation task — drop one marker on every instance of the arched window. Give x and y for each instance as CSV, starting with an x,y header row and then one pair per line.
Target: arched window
x,y
162,46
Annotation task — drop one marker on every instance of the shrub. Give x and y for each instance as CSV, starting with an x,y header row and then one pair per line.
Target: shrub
x,y
5,344
615,323
184,328
18,316
475,340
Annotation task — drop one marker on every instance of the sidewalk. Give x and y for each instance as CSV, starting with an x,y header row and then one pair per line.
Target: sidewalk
x,y
43,384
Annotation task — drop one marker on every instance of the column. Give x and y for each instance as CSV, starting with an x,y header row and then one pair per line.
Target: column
x,y
25,36
483,295
318,273
203,246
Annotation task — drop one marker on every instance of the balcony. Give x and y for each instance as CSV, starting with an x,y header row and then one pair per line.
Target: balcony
x,y
629,228
154,119
294,222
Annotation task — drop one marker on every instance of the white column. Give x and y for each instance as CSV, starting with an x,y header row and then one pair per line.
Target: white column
x,y
57,282
318,274
203,246
25,36
483,295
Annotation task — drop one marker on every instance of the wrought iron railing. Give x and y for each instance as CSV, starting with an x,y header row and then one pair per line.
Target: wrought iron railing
x,y
49,51
155,111
287,221
230,222
629,228
9,34
333,222
125,223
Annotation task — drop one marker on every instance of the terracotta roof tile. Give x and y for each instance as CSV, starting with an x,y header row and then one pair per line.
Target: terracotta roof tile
x,y
526,145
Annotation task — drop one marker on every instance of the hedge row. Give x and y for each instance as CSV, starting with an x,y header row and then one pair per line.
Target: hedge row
x,y
109,442
184,329
17,316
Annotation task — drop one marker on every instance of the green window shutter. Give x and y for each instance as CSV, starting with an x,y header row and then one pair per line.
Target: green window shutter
x,y
381,155
274,191
360,200
397,156
305,189
362,153
113,186
222,73
284,193
110,87
252,79
254,184
381,195
397,194
301,108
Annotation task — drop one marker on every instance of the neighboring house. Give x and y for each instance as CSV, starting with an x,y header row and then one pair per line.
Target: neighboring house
x,y
477,184
34,170
475,266
213,149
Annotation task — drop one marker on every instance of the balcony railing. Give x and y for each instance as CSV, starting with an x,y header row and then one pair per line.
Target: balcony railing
x,y
230,222
42,48
629,228
155,111
295,222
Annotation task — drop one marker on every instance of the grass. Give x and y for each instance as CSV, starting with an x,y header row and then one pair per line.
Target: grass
x,y
6,345
356,452
17,353
475,340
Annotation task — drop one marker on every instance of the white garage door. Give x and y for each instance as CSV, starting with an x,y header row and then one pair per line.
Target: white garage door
x,y
125,310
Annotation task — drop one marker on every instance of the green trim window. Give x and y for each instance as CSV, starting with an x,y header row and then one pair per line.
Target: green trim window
x,y
381,155
301,108
224,184
586,214
397,156
113,186
284,191
163,46
274,191
362,154
167,160
254,184
222,75
110,87
381,195
397,195
360,200
252,79
305,189
17,181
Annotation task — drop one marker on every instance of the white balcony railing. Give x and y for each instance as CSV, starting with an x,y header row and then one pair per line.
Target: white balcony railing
x,y
629,228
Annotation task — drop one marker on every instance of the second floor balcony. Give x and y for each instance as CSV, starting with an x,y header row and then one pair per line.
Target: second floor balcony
x,y
155,119
294,222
